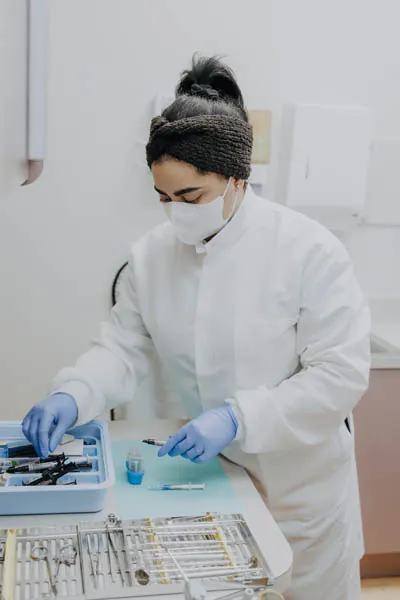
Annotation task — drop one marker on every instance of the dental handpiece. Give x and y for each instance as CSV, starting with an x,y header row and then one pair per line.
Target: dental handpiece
x,y
153,442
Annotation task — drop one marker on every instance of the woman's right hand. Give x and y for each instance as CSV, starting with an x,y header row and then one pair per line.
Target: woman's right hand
x,y
46,423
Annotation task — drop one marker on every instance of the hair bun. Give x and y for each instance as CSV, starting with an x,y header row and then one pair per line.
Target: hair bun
x,y
157,123
204,90
211,79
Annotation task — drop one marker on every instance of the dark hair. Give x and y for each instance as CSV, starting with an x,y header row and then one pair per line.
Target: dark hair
x,y
208,88
206,125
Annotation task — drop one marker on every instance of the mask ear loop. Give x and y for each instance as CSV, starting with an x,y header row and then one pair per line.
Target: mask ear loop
x,y
235,200
234,203
227,188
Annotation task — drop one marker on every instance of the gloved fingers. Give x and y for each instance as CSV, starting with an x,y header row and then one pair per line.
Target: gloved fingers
x,y
182,447
57,434
33,433
43,432
193,453
26,426
204,457
175,439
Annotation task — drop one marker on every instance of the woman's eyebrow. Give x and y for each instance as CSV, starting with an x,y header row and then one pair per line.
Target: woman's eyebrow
x,y
179,192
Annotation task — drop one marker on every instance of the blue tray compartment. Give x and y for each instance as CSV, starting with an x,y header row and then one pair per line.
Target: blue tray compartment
x,y
88,495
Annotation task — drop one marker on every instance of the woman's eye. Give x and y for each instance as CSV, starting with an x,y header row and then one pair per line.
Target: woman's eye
x,y
191,200
164,199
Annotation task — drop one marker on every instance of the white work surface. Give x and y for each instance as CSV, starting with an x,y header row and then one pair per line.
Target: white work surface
x,y
272,544
386,320
385,339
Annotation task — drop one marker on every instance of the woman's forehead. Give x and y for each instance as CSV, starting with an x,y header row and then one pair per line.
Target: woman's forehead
x,y
170,175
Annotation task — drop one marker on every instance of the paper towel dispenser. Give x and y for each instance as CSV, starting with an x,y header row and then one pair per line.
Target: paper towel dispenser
x,y
324,158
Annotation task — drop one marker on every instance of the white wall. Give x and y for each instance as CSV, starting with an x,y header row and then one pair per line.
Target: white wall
x,y
348,53
63,238
12,173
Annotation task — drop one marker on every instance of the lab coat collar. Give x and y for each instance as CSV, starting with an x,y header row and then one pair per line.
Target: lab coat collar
x,y
232,231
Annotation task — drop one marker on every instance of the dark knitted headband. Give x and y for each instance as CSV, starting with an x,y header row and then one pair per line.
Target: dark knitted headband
x,y
212,143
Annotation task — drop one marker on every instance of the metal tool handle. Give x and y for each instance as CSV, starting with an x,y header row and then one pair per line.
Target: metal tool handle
x,y
181,571
8,588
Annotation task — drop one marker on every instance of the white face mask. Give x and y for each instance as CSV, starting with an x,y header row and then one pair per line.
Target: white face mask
x,y
193,223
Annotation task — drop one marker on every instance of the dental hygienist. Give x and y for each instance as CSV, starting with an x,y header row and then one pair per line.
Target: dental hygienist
x,y
256,316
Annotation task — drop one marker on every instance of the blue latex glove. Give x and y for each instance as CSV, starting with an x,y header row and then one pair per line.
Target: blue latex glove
x,y
46,423
204,437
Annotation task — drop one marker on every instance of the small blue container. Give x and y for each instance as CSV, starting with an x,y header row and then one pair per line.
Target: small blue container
x,y
89,495
134,466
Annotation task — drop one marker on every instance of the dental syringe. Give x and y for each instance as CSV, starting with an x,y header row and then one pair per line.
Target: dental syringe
x,y
177,486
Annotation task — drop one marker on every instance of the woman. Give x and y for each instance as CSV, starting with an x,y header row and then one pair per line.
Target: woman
x,y
257,318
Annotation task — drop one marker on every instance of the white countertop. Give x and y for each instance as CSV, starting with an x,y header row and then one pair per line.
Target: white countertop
x,y
389,331
268,536
385,333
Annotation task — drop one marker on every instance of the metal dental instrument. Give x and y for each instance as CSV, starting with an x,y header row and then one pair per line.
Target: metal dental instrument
x,y
208,560
9,567
174,524
92,568
242,594
99,551
112,520
98,543
141,575
110,569
193,590
258,582
39,553
192,559
216,551
67,556
211,573
196,544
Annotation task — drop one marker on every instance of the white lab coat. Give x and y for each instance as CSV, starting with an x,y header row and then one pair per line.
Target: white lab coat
x,y
269,316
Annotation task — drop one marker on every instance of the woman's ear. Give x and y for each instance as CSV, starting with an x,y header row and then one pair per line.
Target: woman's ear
x,y
239,184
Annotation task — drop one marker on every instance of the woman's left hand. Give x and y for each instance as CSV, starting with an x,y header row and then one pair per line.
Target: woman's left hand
x,y
204,437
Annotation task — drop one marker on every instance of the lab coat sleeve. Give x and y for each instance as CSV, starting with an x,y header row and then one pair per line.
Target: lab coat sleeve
x,y
333,343
110,372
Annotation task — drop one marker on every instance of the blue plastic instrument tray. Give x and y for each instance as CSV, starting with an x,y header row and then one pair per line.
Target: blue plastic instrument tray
x,y
87,496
